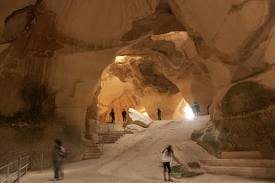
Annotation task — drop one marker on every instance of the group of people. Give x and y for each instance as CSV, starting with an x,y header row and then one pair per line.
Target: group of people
x,y
124,115
195,108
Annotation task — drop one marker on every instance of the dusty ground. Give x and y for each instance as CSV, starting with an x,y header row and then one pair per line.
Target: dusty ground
x,y
136,158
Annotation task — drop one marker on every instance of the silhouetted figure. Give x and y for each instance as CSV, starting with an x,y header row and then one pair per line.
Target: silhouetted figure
x,y
124,114
208,112
112,114
58,155
159,114
196,108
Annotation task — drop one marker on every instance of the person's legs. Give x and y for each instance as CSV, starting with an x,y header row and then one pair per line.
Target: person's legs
x,y
61,173
58,169
169,172
164,171
55,168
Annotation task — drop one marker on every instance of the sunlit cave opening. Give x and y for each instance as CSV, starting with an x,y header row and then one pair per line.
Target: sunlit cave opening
x,y
188,112
184,111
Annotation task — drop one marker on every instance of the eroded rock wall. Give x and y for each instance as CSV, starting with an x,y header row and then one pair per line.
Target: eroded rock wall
x,y
134,94
52,56
52,53
233,38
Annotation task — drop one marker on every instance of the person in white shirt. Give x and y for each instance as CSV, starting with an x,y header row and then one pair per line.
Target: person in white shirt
x,y
167,157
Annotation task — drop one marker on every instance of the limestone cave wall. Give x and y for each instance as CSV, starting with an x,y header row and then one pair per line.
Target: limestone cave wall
x,y
53,54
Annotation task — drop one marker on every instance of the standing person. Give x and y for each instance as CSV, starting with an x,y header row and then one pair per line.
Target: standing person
x,y
112,114
208,112
196,108
159,114
167,157
58,155
124,114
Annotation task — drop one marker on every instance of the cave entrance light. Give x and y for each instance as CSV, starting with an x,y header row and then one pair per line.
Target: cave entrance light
x,y
188,112
184,111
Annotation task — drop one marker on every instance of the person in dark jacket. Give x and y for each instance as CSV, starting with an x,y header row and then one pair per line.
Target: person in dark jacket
x,y
159,114
124,114
58,155
112,114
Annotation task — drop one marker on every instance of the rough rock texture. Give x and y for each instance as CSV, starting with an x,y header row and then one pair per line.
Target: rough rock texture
x,y
224,25
14,17
153,70
123,95
53,54
98,24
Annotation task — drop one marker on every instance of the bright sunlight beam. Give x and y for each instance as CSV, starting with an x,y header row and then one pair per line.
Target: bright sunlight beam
x,y
188,112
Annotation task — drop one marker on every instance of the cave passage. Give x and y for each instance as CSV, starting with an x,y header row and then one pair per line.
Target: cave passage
x,y
118,80
125,84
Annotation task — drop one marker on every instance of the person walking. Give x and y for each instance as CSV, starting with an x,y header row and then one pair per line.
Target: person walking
x,y
167,157
124,114
159,114
58,155
112,114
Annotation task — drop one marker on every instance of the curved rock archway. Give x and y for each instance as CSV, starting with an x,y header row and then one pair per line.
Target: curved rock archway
x,y
53,54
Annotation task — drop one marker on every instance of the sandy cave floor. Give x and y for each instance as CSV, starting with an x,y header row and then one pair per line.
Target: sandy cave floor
x,y
136,158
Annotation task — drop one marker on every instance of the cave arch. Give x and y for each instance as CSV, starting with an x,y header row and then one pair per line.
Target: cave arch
x,y
151,70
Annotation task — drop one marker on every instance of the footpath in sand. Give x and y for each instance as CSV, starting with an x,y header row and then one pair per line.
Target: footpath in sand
x,y
136,158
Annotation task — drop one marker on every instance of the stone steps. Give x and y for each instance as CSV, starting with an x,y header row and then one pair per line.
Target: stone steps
x,y
241,155
112,137
266,163
250,172
92,151
241,163
91,155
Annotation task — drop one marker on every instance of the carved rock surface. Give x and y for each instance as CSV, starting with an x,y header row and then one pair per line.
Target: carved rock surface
x,y
170,51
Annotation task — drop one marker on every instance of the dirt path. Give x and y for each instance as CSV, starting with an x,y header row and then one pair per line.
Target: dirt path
x,y
136,158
